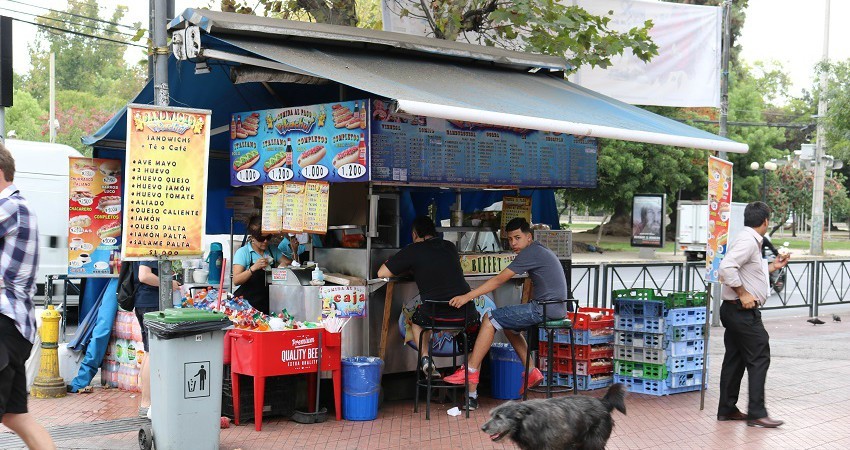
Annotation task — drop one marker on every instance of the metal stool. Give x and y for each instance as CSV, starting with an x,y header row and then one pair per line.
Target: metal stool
x,y
455,325
550,326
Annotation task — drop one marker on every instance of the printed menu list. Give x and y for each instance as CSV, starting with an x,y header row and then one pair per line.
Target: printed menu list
x,y
94,225
272,216
295,207
415,149
513,207
167,150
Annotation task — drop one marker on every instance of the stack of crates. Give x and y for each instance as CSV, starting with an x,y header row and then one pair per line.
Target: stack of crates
x,y
659,341
594,350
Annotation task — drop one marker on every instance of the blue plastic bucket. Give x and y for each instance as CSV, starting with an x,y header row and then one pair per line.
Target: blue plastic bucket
x,y
506,375
361,387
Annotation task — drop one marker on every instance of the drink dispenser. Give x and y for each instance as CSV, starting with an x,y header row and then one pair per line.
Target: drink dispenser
x,y
215,259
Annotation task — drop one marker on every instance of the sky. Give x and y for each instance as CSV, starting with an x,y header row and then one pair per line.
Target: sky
x,y
787,31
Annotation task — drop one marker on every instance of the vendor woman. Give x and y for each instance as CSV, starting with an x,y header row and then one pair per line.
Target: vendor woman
x,y
250,263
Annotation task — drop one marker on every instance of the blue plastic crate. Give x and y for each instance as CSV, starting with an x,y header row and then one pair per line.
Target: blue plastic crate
x,y
684,363
558,379
637,323
591,382
643,308
685,348
639,339
684,332
583,337
651,387
685,379
685,316
640,354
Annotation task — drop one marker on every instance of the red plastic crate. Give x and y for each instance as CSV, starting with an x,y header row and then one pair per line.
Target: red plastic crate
x,y
584,367
582,320
592,351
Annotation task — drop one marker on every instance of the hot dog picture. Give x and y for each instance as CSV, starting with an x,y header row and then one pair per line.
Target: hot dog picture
x,y
111,229
80,221
246,161
312,156
276,160
347,156
110,168
81,193
109,200
81,164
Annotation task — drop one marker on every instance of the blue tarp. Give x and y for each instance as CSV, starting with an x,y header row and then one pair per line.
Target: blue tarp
x,y
100,333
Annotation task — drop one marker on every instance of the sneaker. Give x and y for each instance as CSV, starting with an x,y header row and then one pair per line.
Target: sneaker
x,y
458,376
534,379
473,404
428,367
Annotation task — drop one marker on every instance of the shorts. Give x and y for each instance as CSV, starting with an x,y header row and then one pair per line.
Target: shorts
x,y
515,317
425,313
140,314
14,352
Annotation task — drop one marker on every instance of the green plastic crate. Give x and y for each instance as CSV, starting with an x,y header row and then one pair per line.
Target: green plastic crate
x,y
636,294
640,370
685,299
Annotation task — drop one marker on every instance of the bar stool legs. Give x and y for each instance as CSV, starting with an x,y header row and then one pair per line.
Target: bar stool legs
x,y
428,382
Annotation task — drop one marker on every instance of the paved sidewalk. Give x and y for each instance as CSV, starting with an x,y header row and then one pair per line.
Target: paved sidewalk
x,y
807,387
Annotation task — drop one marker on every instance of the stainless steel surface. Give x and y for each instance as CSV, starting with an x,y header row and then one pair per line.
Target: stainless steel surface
x,y
347,261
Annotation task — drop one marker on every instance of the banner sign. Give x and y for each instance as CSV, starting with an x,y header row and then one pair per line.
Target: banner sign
x,y
343,301
485,263
327,142
648,220
719,212
94,225
425,150
166,171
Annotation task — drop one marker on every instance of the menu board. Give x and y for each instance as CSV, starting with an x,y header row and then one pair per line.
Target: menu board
x,y
416,149
327,142
513,207
166,190
559,241
719,211
272,217
316,207
293,207
94,225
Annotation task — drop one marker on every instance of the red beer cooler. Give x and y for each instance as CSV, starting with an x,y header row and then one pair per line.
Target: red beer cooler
x,y
262,354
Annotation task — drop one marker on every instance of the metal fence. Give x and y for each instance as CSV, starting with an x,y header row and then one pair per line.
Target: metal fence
x,y
808,284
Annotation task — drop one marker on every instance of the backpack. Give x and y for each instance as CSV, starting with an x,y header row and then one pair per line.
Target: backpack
x,y
127,286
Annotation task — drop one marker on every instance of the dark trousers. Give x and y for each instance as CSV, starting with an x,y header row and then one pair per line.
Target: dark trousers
x,y
747,347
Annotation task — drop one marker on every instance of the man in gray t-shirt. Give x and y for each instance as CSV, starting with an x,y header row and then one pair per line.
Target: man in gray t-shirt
x,y
547,274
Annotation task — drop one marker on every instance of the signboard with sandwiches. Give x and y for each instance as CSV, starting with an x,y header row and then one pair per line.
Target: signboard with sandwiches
x,y
94,218
327,142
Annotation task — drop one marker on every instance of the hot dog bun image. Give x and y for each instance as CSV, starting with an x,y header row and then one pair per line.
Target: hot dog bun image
x,y
80,221
111,229
276,160
347,156
110,168
109,200
246,161
83,164
312,156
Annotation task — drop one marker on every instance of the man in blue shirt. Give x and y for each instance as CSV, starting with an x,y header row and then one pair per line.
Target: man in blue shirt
x,y
547,275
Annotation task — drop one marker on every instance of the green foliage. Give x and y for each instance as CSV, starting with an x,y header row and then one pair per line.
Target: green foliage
x,y
838,112
26,117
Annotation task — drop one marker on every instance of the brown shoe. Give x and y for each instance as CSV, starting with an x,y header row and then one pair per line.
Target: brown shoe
x,y
737,415
764,422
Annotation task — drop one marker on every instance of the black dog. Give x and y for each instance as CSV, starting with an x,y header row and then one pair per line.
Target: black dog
x,y
570,422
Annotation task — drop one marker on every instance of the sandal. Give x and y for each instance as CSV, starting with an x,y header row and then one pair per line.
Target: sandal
x,y
86,390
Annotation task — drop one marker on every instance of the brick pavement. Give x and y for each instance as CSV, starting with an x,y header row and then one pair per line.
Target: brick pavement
x,y
807,387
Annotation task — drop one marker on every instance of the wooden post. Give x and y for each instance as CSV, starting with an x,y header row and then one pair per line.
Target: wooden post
x,y
526,290
385,326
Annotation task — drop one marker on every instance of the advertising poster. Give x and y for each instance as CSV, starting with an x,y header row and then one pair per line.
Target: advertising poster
x,y
648,220
343,301
94,213
513,207
327,142
485,264
272,217
719,208
316,207
293,207
166,188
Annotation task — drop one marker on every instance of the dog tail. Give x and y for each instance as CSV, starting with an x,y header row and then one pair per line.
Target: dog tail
x,y
615,398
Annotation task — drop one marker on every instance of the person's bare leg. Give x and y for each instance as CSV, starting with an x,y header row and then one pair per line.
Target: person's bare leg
x,y
145,382
31,432
520,346
417,330
482,346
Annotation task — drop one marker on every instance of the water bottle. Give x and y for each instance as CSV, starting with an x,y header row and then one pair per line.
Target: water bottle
x,y
318,277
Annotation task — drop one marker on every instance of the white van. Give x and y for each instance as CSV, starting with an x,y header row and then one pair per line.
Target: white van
x,y
41,174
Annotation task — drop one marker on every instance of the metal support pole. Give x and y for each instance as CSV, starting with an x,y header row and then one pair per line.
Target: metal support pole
x,y
161,98
816,246
52,117
764,185
705,347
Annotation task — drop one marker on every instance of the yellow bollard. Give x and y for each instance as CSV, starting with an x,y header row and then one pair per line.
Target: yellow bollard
x,y
48,383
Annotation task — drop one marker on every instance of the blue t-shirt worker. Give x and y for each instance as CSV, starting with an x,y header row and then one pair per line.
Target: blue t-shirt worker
x,y
547,275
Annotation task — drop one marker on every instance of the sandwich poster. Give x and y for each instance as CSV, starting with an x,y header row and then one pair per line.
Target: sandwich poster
x,y
94,217
719,207
327,142
166,182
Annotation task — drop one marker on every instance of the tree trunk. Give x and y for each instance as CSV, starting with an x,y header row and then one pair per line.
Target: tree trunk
x,y
600,227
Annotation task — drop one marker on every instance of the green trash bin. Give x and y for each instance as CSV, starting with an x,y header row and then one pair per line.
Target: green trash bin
x,y
186,361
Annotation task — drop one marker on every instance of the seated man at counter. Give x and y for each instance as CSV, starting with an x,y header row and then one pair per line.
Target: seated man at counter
x,y
546,274
250,263
435,265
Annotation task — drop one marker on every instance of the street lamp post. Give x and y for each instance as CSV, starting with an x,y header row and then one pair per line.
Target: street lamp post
x,y
768,166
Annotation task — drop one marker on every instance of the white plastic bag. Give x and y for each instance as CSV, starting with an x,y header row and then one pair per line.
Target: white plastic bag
x,y
69,363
